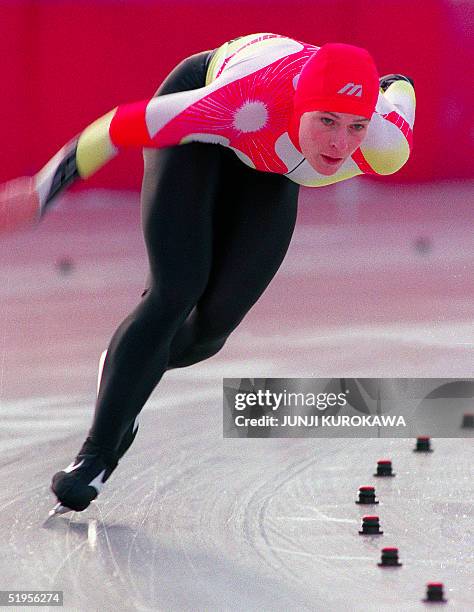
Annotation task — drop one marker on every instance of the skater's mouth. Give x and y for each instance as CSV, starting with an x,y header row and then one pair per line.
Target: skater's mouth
x,y
331,160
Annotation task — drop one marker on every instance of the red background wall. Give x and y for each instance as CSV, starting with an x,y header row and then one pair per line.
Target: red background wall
x,y
66,63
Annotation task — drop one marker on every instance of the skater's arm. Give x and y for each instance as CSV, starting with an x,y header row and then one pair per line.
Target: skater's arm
x,y
155,123
389,141
401,94
159,122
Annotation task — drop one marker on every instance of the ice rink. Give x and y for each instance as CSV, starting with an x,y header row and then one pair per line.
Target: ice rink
x,y
192,521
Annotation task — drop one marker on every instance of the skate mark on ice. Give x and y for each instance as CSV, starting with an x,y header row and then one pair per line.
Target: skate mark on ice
x,y
118,574
286,475
322,557
314,518
132,543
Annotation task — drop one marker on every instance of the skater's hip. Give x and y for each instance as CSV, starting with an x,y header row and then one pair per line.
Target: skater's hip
x,y
190,73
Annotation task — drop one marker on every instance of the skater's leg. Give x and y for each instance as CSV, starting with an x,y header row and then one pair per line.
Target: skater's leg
x,y
254,222
130,434
178,194
177,223
185,350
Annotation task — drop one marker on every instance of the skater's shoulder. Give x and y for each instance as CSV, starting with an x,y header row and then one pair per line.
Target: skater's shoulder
x,y
245,54
264,43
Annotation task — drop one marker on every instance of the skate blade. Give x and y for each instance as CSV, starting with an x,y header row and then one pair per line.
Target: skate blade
x,y
59,509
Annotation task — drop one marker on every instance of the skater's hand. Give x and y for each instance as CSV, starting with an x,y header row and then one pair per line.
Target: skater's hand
x,y
386,80
19,204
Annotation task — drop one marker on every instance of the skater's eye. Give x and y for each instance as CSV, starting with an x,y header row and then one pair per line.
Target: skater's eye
x,y
324,119
359,126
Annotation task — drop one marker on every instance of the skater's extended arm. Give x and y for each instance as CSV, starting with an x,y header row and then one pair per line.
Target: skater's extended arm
x,y
148,123
160,122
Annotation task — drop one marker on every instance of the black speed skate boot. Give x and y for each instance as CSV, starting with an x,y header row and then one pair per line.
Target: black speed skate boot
x,y
81,481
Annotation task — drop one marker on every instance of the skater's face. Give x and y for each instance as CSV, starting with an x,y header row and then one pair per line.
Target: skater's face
x,y
327,139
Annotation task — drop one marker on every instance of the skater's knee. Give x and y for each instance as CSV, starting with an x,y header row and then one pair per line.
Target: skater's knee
x,y
215,329
196,353
212,346
171,302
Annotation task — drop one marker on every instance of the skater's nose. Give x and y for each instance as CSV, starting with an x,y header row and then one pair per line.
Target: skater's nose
x,y
339,142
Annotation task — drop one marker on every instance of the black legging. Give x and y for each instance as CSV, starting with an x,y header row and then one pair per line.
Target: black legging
x,y
216,232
